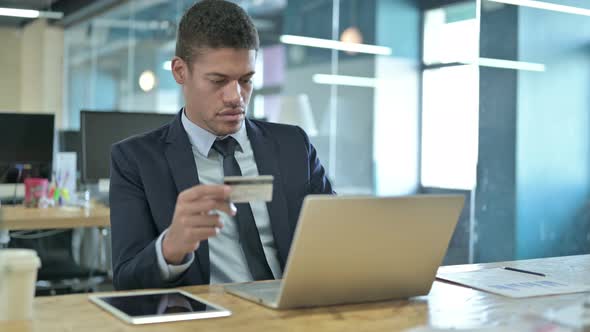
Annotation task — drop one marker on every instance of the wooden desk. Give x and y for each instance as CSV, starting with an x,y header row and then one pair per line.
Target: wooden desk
x,y
446,306
22,218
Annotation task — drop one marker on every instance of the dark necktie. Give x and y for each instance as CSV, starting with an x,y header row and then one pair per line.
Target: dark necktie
x,y
248,233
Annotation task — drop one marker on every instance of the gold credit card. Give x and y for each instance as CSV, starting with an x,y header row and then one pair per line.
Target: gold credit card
x,y
246,189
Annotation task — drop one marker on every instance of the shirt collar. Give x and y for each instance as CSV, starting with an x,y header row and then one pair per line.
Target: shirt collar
x,y
203,140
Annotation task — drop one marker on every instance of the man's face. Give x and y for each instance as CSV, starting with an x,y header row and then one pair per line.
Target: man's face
x,y
218,87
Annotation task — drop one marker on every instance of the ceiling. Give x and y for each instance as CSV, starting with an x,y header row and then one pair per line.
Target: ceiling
x,y
259,8
22,4
27,4
65,6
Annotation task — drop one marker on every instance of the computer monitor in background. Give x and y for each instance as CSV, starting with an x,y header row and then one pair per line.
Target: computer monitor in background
x,y
26,144
26,149
99,130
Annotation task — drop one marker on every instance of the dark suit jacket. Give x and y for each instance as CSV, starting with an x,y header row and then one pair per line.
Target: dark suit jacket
x,y
149,171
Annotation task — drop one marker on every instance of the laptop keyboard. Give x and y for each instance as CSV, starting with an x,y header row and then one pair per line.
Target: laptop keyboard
x,y
267,291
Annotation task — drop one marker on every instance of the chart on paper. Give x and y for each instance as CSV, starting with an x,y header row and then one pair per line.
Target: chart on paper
x,y
512,283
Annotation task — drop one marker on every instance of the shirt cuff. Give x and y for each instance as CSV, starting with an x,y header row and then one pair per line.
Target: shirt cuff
x,y
170,272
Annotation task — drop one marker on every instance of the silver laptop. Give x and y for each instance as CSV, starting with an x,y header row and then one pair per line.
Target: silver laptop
x,y
360,249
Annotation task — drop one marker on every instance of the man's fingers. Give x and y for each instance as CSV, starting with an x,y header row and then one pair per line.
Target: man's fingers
x,y
205,206
202,221
203,233
219,192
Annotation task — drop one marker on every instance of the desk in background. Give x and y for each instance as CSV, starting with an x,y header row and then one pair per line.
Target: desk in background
x,y
22,218
446,306
97,257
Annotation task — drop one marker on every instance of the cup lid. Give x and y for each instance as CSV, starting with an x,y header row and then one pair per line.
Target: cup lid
x,y
19,259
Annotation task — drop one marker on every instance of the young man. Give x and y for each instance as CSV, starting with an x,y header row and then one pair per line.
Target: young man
x,y
172,224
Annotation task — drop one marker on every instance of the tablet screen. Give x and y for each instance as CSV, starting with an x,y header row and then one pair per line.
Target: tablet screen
x,y
156,304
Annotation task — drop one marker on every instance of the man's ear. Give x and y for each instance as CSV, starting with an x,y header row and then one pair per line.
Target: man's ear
x,y
179,70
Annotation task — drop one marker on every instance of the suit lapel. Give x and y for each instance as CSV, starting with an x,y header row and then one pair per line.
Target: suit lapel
x,y
181,161
265,153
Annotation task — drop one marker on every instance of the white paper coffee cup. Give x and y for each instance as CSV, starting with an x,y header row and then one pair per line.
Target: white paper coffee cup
x,y
18,275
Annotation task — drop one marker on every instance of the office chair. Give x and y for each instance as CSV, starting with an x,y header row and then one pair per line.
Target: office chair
x,y
59,272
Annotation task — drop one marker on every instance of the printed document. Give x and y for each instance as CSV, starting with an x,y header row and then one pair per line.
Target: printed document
x,y
512,283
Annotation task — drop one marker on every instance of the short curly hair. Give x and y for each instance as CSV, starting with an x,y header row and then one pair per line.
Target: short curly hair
x,y
214,24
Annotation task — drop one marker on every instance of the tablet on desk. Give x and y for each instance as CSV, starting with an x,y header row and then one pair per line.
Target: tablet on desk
x,y
158,306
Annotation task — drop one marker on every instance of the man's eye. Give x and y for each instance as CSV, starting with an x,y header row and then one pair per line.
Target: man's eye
x,y
218,81
247,81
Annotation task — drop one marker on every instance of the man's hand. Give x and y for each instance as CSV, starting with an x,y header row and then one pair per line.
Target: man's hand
x,y
194,220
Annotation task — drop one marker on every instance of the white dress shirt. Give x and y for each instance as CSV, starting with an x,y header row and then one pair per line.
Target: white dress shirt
x,y
227,260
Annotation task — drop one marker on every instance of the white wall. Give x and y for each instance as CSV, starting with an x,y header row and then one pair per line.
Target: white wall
x,y
31,69
41,69
10,69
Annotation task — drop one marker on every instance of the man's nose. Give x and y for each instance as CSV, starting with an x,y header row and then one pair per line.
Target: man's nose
x,y
232,93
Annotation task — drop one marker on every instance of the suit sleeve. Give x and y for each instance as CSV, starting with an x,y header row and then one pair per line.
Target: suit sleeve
x,y
318,181
134,233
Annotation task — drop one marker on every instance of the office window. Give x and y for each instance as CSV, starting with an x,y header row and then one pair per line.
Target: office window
x,y
450,98
451,34
450,127
120,60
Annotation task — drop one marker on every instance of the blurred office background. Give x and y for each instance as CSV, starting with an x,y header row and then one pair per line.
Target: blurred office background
x,y
488,98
